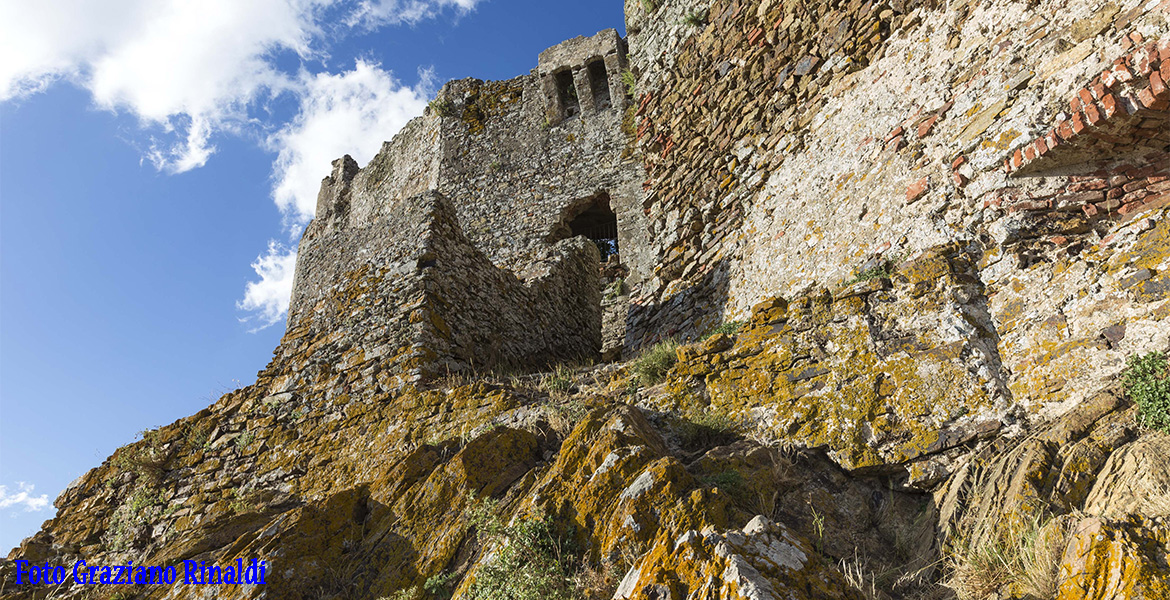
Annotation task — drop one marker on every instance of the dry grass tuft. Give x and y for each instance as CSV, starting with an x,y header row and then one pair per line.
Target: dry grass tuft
x,y
1021,556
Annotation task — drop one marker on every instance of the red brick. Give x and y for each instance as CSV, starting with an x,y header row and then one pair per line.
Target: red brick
x,y
1130,208
1164,70
1059,240
1134,185
1017,159
1137,38
917,189
1115,193
1085,95
1147,99
1155,202
1107,78
1064,130
1161,186
1134,196
959,179
1120,73
1140,63
1074,105
1083,198
958,162
1118,180
1157,86
1007,166
1092,115
1030,152
1109,205
1158,179
1090,210
1164,49
1078,122
895,133
925,127
1051,139
1041,147
897,143
1109,105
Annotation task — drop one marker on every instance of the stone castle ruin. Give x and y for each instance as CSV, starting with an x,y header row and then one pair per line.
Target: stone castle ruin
x,y
907,249
461,230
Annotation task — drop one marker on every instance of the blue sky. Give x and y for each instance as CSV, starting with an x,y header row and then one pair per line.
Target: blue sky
x,y
158,159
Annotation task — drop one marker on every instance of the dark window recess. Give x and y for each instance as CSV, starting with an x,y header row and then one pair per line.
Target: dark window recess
x,y
568,93
598,223
599,85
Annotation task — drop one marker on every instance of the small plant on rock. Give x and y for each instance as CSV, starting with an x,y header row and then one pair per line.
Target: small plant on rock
x,y
560,381
630,82
442,106
1147,383
651,366
696,18
528,560
706,430
729,328
1023,553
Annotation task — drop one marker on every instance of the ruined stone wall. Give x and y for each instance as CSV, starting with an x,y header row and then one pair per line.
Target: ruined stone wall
x,y
403,294
517,165
793,144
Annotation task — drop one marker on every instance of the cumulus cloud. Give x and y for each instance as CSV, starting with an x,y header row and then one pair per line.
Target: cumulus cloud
x,y
189,71
347,113
24,498
184,69
267,299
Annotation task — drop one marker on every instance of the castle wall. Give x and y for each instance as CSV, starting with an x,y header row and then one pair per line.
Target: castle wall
x,y
515,164
404,295
793,144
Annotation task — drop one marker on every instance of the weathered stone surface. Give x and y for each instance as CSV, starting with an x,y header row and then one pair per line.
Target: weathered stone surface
x,y
914,370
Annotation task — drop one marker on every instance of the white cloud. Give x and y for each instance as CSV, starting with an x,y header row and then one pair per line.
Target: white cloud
x,y
23,498
347,113
185,69
191,70
375,13
267,299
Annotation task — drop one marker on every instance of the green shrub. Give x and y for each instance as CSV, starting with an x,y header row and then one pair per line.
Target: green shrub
x,y
729,328
697,18
630,81
441,106
529,562
650,5
1147,382
651,366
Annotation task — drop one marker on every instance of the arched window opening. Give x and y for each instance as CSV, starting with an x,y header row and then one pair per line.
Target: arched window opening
x,y
567,91
599,85
593,218
598,223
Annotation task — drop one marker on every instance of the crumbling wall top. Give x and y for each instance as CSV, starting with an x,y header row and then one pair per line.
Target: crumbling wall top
x,y
575,52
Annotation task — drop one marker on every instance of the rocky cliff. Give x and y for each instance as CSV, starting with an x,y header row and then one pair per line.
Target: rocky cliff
x,y
893,297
